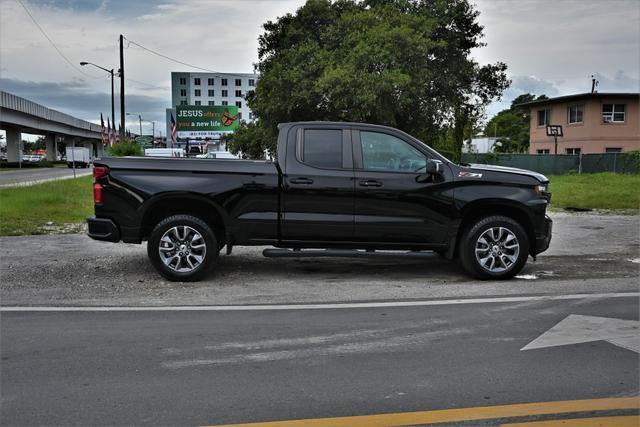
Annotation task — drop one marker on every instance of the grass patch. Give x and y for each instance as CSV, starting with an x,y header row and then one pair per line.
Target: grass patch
x,y
596,191
27,210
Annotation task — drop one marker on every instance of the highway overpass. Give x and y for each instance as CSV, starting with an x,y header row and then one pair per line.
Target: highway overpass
x,y
19,115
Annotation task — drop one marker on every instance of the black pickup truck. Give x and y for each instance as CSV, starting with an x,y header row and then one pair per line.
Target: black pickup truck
x,y
334,188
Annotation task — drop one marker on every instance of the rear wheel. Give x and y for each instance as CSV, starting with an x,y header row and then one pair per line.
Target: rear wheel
x,y
182,248
495,247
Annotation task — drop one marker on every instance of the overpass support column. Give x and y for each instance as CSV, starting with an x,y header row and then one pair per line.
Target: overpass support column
x,y
13,144
51,146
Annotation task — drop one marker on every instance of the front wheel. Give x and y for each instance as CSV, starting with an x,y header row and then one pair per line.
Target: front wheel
x,y
182,248
495,247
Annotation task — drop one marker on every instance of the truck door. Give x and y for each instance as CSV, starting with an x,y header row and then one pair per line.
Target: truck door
x,y
318,185
396,202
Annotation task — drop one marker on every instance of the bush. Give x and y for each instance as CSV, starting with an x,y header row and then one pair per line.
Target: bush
x,y
125,149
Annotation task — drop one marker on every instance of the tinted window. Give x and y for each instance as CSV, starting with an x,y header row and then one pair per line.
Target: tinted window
x,y
322,148
384,153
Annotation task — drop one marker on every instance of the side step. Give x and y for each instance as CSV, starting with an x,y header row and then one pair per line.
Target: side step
x,y
344,253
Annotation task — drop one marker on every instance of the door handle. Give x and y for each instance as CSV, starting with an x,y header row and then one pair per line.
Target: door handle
x,y
305,181
370,183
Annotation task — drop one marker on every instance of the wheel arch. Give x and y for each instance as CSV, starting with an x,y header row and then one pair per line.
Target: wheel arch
x,y
474,211
167,204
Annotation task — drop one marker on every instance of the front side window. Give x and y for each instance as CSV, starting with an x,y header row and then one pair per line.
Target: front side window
x,y
613,113
386,153
576,113
322,148
543,117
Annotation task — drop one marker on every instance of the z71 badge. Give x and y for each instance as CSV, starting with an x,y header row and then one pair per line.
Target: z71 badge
x,y
470,175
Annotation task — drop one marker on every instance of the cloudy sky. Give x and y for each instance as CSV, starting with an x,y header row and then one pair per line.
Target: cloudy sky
x,y
550,46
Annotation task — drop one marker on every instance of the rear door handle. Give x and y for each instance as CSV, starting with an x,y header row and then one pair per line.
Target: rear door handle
x,y
305,181
370,183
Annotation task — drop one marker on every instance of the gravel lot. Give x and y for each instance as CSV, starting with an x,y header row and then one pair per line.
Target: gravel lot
x,y
589,253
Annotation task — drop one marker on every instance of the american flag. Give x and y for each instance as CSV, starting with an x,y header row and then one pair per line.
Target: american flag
x,y
173,130
102,130
110,131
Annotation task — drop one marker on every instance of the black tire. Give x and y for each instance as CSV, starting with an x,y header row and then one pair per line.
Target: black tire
x,y
483,228
172,273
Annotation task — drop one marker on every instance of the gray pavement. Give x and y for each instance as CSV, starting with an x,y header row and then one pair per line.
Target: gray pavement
x,y
31,176
588,253
201,368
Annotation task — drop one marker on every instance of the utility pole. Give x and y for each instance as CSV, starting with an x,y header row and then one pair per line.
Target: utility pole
x,y
122,87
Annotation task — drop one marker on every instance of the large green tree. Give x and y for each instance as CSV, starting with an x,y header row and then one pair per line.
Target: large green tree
x,y
401,63
511,126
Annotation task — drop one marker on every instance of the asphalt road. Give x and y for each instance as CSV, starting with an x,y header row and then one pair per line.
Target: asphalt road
x,y
199,368
30,176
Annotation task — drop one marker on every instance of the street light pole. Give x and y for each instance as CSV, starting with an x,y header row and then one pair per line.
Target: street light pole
x,y
113,110
139,118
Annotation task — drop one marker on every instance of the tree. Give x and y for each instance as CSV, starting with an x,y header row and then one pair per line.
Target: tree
x,y
401,63
511,126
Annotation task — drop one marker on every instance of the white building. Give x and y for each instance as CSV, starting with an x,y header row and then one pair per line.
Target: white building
x,y
213,89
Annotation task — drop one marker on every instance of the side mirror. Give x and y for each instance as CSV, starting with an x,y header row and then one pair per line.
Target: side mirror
x,y
433,167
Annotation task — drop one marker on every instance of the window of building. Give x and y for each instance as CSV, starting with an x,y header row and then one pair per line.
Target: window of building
x,y
573,151
225,93
613,150
212,103
543,117
224,82
238,94
613,113
211,92
196,81
322,148
183,92
183,80
196,92
575,113
225,103
183,102
250,116
252,82
240,116
239,104
543,151
386,153
198,103
238,82
210,82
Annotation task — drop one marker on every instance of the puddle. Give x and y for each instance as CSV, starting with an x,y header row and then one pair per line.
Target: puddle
x,y
634,260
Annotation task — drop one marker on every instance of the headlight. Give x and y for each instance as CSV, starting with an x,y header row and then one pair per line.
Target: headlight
x,y
540,189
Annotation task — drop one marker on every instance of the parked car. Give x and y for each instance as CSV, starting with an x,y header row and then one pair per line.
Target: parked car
x,y
334,186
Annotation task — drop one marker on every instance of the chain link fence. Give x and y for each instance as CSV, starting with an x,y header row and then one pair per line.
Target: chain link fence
x,y
560,164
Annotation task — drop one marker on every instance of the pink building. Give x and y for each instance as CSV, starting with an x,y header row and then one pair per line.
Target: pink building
x,y
591,123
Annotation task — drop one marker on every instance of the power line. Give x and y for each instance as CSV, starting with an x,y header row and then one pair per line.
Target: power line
x,y
145,84
171,59
53,44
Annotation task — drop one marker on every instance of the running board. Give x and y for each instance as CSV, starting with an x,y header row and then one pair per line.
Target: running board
x,y
344,253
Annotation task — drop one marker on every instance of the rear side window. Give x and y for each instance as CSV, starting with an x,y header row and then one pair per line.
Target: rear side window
x,y
322,148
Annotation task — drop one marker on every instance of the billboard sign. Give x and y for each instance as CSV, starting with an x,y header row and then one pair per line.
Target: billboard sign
x,y
194,121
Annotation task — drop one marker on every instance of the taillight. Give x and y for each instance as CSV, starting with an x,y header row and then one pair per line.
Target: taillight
x,y
98,172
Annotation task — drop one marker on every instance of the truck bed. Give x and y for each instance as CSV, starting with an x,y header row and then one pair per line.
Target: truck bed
x,y
189,164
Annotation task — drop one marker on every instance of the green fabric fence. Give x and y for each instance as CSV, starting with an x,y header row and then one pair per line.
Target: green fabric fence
x,y
560,164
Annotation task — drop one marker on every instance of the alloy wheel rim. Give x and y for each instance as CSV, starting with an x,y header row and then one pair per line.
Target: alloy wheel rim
x,y
182,249
497,249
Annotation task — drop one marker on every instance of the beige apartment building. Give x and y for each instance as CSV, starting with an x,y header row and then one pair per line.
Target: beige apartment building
x,y
591,123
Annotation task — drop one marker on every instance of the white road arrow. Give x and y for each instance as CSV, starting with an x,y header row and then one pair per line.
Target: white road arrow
x,y
575,329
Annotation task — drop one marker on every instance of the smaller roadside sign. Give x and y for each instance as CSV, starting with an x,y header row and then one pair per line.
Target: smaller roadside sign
x,y
144,139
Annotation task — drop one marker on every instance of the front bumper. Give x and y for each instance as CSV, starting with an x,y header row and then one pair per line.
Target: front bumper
x,y
103,229
544,240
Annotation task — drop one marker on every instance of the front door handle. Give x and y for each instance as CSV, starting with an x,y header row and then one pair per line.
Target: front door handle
x,y
370,183
304,181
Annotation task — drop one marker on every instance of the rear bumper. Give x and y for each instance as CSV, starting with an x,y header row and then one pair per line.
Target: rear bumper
x,y
103,229
543,240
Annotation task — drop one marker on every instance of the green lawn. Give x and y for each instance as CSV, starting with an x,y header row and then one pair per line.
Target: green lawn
x,y
27,210
596,191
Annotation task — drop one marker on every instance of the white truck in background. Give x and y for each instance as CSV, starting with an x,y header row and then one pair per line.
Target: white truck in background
x,y
164,152
78,156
